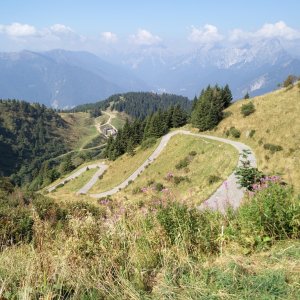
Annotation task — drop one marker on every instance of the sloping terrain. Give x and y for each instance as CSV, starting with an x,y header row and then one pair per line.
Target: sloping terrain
x,y
29,135
274,122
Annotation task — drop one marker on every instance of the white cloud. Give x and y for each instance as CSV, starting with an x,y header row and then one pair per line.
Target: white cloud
x,y
208,34
109,37
18,30
145,38
60,29
277,30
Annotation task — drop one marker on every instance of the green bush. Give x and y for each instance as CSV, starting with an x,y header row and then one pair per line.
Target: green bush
x,y
48,210
192,153
16,225
190,228
234,132
159,187
247,175
289,81
213,178
179,179
252,132
182,163
272,214
273,148
82,209
247,109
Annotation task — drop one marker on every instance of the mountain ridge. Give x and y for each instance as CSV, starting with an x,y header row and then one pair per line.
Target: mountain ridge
x,y
62,78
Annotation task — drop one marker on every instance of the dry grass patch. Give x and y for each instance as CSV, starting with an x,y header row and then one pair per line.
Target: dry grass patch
x,y
275,121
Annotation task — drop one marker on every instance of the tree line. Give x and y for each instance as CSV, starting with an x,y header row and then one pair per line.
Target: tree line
x,y
208,107
138,105
143,131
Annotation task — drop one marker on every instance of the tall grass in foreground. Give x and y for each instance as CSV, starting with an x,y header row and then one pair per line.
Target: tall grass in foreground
x,y
162,250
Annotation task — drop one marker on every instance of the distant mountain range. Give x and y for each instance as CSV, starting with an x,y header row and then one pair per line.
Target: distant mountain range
x,y
64,78
255,68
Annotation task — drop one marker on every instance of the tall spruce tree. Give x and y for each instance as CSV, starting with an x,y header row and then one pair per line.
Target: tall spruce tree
x,y
208,110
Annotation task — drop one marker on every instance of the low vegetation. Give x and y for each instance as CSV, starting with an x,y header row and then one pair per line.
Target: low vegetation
x,y
151,251
247,109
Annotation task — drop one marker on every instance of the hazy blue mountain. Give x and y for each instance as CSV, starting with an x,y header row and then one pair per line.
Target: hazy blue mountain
x,y
65,78
62,78
256,68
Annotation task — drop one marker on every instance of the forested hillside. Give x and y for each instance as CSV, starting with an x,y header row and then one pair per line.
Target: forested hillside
x,y
29,135
138,104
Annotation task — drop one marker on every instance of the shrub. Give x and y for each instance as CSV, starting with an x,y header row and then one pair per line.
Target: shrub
x,y
82,209
289,81
247,96
247,175
252,132
6,186
193,153
48,210
179,179
234,132
159,187
213,178
150,182
272,214
227,114
197,231
247,109
182,163
16,225
273,148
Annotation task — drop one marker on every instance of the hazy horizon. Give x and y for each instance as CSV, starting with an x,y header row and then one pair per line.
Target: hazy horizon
x,y
119,27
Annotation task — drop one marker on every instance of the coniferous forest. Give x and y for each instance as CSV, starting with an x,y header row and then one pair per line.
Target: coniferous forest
x,y
29,135
137,104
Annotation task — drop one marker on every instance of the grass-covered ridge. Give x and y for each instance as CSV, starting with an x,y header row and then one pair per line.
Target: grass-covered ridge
x,y
273,125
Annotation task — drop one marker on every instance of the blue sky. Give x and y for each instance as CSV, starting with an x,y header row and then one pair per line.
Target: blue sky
x,y
95,25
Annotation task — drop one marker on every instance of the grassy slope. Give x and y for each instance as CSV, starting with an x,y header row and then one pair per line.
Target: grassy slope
x,y
82,131
275,121
119,120
212,159
120,169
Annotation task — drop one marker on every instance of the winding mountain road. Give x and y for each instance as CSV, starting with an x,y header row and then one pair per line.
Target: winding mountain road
x,y
228,194
101,166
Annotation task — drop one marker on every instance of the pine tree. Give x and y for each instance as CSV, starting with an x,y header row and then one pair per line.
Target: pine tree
x,y
179,117
209,107
130,147
227,95
247,96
